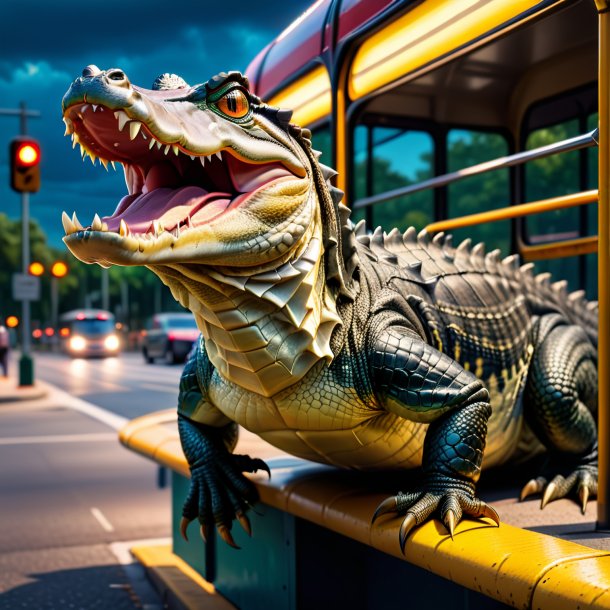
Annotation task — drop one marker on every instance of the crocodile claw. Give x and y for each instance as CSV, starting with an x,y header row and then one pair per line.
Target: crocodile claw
x,y
533,486
583,494
389,505
550,493
225,534
408,523
449,522
184,523
244,522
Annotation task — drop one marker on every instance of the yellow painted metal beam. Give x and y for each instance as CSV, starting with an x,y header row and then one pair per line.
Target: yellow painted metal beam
x,y
424,34
603,505
521,568
309,97
515,211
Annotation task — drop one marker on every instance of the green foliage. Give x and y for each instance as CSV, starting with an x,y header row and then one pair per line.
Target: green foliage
x,y
81,287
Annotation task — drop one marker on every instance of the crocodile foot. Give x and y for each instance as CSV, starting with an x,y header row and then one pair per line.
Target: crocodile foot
x,y
450,503
220,494
582,480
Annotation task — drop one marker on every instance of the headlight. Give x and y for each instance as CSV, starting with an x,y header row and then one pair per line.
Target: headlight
x,y
77,344
111,342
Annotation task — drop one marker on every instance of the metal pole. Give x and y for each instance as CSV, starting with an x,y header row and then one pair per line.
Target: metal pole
x,y
603,371
105,290
54,309
26,364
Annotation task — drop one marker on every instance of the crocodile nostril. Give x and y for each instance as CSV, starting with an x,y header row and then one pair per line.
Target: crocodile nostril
x,y
91,70
116,75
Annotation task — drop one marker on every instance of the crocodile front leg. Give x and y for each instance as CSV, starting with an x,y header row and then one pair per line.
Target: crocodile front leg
x,y
218,493
414,380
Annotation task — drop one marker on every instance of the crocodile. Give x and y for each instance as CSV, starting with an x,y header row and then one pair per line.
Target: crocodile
x,y
359,349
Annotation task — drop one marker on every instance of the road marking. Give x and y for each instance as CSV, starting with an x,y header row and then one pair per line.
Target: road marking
x,y
67,400
101,519
60,438
157,387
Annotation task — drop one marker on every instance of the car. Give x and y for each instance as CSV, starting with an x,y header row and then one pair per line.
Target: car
x,y
170,336
88,333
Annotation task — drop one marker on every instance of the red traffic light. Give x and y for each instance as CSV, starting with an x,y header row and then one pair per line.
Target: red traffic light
x,y
25,165
28,153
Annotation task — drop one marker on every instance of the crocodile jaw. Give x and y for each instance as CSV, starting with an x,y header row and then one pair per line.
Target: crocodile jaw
x,y
200,189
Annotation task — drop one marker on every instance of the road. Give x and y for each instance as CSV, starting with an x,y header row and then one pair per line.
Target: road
x,y
71,497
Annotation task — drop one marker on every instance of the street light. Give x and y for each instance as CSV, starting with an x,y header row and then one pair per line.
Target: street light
x,y
59,269
12,322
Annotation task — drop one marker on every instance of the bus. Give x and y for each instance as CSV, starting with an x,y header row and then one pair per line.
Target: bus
x,y
88,333
487,119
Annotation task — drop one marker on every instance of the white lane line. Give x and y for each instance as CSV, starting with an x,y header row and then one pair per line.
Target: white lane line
x,y
60,438
101,519
67,400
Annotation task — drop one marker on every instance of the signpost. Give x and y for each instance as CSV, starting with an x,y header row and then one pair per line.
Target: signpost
x,y
25,179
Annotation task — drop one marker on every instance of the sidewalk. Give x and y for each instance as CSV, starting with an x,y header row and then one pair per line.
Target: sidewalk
x,y
11,392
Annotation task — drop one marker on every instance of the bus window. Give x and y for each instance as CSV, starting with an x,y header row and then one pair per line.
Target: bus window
x,y
551,177
478,193
387,158
321,140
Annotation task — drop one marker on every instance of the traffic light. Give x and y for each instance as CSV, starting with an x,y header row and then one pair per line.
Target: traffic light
x,y
36,269
59,269
25,165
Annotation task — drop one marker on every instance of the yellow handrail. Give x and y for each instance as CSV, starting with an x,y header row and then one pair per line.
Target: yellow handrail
x,y
515,211
560,249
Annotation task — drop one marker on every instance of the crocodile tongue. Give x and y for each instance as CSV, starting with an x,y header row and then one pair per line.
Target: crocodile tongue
x,y
188,205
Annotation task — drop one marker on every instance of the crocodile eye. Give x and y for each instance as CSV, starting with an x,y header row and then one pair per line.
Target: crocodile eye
x,y
234,104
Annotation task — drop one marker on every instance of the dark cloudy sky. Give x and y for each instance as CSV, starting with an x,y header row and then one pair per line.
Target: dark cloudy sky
x,y
45,45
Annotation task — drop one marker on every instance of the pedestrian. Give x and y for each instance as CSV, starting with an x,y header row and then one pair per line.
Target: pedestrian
x,y
4,348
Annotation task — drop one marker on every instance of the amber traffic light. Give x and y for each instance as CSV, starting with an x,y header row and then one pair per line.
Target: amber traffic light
x,y
12,321
59,269
36,269
25,165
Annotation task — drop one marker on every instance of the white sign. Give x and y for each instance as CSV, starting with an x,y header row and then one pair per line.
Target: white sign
x,y
26,287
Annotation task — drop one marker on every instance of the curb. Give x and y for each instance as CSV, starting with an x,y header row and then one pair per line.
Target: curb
x,y
10,392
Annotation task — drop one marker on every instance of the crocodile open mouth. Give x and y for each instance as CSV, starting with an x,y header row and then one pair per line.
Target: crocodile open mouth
x,y
170,189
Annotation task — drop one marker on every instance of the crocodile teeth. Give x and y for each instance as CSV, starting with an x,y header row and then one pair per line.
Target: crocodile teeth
x,y
104,163
69,227
159,144
104,226
69,126
74,140
209,157
123,229
83,109
82,151
167,147
113,165
76,223
175,149
96,225
134,128
157,227
151,144
143,135
94,106
122,118
202,160
192,157
219,154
